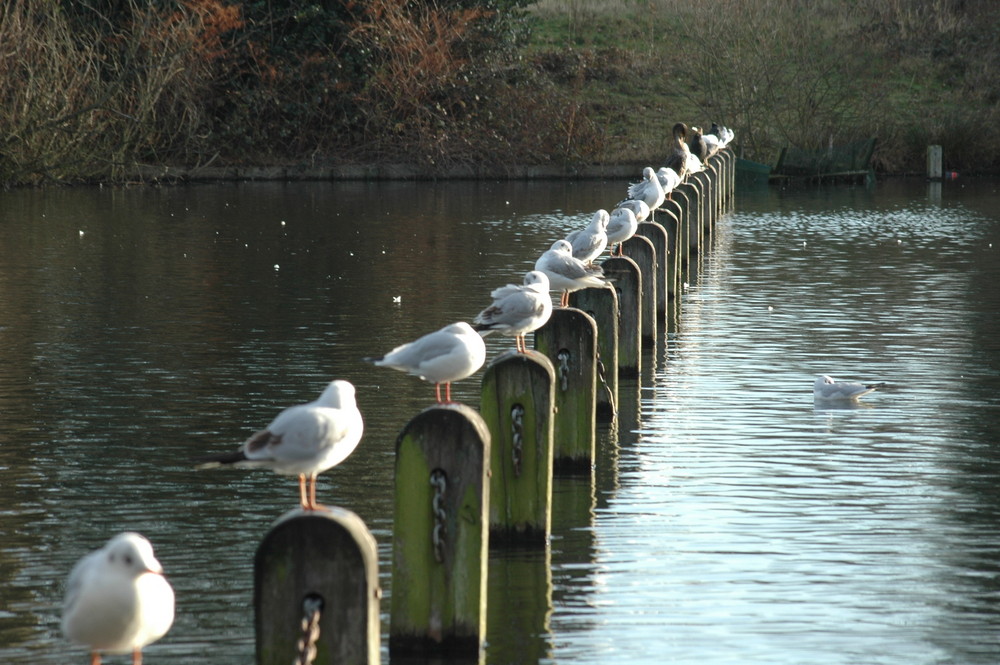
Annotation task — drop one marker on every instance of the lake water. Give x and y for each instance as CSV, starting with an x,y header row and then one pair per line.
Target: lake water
x,y
729,519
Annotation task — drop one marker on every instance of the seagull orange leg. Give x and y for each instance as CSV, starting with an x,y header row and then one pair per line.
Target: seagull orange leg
x,y
303,501
312,493
447,392
437,392
95,658
136,656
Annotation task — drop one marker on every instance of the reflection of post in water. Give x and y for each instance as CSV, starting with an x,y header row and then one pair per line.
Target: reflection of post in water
x,y
440,535
520,591
316,587
518,400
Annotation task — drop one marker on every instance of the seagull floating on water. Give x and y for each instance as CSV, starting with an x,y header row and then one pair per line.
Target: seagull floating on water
x,y
622,226
588,243
517,309
451,354
117,600
827,389
568,274
303,440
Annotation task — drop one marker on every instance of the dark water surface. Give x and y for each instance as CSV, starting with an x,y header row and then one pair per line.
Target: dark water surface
x,y
730,520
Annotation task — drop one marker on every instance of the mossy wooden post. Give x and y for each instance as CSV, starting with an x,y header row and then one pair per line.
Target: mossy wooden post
x,y
440,534
602,305
325,560
692,189
625,274
657,234
711,198
640,249
731,182
569,340
669,218
704,180
518,401
682,195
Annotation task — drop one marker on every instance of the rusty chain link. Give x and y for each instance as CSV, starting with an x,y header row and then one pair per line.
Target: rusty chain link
x,y
312,607
440,529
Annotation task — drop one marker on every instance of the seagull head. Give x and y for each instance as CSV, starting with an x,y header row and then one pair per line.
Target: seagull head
x,y
132,554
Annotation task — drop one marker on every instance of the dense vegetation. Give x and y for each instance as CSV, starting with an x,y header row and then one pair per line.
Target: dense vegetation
x,y
94,88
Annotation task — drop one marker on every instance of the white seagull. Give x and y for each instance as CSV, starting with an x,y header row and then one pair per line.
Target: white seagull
x,y
827,389
588,243
649,190
622,226
303,440
668,180
117,600
517,310
640,208
450,354
566,273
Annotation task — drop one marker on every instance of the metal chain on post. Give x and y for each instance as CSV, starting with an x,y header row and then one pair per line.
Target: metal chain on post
x,y
604,382
440,529
517,425
563,357
312,608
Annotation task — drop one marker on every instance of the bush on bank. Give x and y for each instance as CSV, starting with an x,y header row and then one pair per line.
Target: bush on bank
x,y
94,89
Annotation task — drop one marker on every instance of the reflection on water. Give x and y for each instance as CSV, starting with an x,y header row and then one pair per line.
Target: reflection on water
x,y
729,518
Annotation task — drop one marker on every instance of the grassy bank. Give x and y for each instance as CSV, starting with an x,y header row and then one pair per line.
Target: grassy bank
x,y
782,72
453,84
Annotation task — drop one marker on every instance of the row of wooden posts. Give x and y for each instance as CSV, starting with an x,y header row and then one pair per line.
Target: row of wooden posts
x,y
468,480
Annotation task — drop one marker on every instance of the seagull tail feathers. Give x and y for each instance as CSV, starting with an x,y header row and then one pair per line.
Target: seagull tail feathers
x,y
215,461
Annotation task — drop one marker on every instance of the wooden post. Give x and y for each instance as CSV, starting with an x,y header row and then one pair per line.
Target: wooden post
x,y
671,224
518,400
657,235
935,170
640,249
683,197
704,180
325,560
628,283
440,534
602,306
569,340
693,212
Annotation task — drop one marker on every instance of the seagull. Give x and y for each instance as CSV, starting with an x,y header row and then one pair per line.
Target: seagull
x,y
678,157
648,190
117,600
640,208
622,226
517,310
694,165
450,354
566,273
724,133
668,180
827,389
589,243
305,439
697,144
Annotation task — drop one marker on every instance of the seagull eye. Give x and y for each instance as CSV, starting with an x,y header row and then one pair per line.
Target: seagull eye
x,y
128,560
